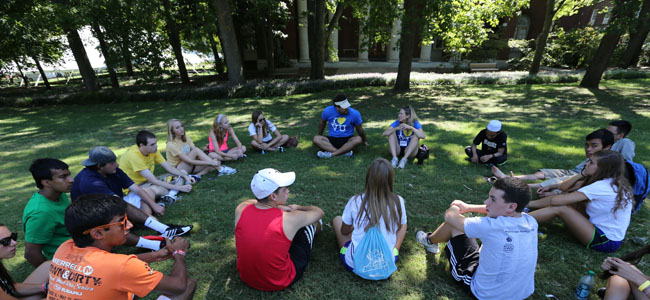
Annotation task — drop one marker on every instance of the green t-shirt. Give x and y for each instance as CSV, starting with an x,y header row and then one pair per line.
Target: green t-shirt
x,y
43,222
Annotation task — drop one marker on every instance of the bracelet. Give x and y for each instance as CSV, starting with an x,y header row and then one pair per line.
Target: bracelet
x,y
44,287
181,252
644,286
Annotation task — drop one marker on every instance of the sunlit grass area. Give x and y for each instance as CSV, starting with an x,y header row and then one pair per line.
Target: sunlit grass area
x,y
546,126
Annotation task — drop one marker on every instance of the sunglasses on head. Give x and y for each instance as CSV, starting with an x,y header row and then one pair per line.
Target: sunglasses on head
x,y
6,241
109,225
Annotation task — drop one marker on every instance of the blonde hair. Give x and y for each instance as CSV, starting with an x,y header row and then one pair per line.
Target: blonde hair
x,y
218,129
612,165
411,113
379,200
170,131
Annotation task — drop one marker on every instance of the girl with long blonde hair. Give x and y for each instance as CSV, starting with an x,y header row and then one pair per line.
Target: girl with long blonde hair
x,y
218,138
403,136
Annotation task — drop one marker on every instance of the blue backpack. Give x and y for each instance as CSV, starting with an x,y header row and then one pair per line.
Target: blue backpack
x,y
638,176
373,259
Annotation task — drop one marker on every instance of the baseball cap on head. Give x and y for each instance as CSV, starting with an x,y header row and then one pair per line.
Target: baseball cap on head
x,y
266,181
99,155
494,126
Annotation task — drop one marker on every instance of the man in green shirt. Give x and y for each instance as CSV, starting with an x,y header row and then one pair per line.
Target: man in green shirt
x,y
43,217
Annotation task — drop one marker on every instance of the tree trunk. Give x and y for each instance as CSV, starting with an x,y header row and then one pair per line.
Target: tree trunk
x,y
599,63
316,28
410,21
540,44
638,35
218,63
269,44
40,70
126,55
175,41
104,48
22,75
80,56
228,40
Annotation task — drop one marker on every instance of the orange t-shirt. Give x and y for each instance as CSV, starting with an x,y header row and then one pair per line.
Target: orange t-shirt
x,y
94,274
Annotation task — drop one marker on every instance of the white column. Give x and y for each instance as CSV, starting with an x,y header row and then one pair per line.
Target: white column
x,y
334,42
392,53
425,53
303,34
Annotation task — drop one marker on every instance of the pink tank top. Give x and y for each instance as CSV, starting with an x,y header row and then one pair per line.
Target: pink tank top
x,y
222,147
263,259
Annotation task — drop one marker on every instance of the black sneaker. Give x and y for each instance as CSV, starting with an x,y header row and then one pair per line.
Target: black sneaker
x,y
176,230
197,178
167,200
601,292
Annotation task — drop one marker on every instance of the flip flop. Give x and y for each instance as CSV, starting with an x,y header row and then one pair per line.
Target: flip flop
x,y
490,179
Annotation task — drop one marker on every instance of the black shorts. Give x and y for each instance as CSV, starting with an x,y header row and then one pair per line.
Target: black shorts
x,y
300,250
338,142
462,253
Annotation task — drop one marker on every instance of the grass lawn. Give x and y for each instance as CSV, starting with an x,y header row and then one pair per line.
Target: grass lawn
x,y
546,125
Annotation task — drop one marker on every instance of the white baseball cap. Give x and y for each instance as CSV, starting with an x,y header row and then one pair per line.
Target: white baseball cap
x,y
266,181
494,126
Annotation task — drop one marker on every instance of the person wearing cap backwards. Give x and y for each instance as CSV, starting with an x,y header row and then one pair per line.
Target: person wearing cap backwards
x,y
102,175
273,239
341,121
494,150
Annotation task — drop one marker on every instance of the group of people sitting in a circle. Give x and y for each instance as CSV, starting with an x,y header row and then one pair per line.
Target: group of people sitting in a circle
x,y
69,242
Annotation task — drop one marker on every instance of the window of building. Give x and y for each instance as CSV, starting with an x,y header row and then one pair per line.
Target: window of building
x,y
606,19
594,13
521,31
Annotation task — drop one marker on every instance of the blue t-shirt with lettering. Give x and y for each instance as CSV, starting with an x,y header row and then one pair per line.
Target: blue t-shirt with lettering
x,y
340,125
404,136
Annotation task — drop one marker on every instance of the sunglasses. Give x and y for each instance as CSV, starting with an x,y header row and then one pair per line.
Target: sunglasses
x,y
109,225
6,241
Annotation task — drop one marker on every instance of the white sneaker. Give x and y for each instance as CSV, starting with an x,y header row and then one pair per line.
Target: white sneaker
x,y
324,154
402,163
225,170
394,162
348,154
423,238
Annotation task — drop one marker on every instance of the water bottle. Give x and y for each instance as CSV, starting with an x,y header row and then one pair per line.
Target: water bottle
x,y
585,285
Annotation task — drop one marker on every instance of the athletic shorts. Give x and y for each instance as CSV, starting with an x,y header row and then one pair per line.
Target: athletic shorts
x,y
133,199
338,142
401,151
600,242
463,253
300,250
344,250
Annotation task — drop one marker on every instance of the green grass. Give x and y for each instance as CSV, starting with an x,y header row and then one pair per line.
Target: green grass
x,y
546,125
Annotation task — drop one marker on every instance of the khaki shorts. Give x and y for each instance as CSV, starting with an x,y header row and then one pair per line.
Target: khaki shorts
x,y
555,176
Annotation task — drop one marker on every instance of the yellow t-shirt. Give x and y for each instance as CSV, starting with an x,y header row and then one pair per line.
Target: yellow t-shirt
x,y
176,148
91,273
132,162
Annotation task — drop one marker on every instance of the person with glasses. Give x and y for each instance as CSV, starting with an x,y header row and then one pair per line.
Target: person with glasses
x,y
260,129
602,222
403,136
34,286
84,267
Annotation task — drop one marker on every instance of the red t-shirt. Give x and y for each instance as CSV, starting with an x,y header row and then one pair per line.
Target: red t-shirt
x,y
263,259
94,274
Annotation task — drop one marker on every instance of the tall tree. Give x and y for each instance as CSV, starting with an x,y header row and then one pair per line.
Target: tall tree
x,y
228,40
553,11
316,29
79,52
175,41
638,33
622,13
104,49
410,28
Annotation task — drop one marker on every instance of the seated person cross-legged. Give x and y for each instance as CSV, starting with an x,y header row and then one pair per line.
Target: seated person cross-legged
x,y
403,136
260,130
341,120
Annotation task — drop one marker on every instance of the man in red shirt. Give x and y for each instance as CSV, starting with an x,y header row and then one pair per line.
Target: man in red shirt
x,y
84,268
273,239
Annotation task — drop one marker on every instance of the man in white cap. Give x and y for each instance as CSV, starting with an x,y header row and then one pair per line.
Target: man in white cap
x,y
273,239
341,120
494,150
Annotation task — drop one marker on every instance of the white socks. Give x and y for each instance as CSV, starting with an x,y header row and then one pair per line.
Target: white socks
x,y
172,193
149,244
155,224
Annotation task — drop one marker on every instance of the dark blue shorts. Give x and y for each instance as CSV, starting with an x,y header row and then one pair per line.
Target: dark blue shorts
x,y
600,242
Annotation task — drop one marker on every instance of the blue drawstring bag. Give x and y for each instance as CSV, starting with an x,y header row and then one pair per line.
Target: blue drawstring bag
x,y
373,259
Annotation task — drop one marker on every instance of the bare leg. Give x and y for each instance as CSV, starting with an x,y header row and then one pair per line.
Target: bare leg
x,y
136,215
442,234
189,291
412,148
535,176
352,142
323,143
577,223
341,239
39,276
618,288
283,139
393,146
146,209
256,145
